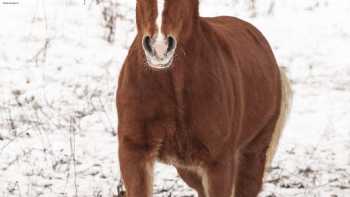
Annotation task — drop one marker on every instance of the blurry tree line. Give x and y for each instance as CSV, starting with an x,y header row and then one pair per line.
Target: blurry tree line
x,y
254,8
109,16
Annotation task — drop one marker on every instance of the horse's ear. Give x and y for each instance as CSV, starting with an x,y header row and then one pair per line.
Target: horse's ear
x,y
138,16
196,4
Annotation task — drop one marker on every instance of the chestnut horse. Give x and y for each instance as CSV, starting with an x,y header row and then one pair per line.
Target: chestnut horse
x,y
202,94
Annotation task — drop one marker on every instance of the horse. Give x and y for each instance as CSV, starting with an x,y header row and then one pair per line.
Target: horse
x,y
203,94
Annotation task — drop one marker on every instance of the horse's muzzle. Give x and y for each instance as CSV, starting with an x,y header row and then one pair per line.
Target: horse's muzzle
x,y
159,50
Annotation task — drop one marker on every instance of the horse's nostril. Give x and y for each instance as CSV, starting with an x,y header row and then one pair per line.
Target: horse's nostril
x,y
147,44
171,44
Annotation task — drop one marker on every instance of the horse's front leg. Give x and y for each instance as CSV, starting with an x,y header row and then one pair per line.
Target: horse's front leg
x,y
218,179
136,164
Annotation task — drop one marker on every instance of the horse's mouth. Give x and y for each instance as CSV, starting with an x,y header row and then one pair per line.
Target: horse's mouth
x,y
160,64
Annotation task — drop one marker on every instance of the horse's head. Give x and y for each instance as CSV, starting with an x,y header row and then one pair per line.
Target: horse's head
x,y
164,24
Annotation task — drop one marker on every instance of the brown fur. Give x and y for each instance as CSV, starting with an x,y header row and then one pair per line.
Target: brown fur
x,y
212,114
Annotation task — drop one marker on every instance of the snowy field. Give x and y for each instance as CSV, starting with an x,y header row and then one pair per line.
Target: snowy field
x,y
58,77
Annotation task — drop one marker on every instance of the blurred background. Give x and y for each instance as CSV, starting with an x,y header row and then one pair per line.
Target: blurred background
x,y
59,61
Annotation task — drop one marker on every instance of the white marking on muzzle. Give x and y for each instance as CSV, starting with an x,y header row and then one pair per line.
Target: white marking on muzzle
x,y
160,45
159,20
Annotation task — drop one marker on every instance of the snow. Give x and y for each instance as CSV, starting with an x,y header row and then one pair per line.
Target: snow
x,y
57,85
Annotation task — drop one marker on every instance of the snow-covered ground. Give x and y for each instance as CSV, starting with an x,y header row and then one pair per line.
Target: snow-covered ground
x,y
58,77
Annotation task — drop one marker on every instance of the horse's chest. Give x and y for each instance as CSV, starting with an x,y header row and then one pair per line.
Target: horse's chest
x,y
182,149
188,134
171,154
